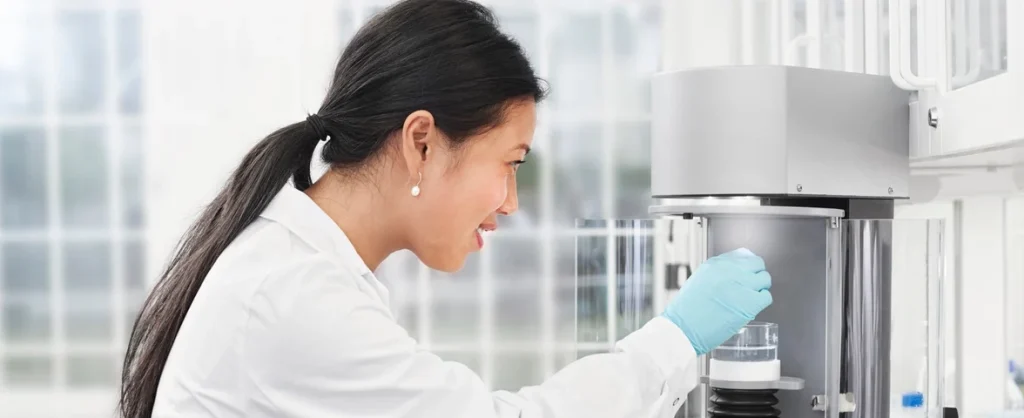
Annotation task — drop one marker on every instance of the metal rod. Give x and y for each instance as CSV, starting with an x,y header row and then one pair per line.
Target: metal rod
x,y
852,40
958,285
871,37
816,32
922,38
748,34
775,32
960,38
786,28
996,21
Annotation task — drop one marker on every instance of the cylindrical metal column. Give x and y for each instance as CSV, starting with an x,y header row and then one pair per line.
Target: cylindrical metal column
x,y
697,400
866,336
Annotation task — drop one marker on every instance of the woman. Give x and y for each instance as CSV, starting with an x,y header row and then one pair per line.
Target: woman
x,y
269,307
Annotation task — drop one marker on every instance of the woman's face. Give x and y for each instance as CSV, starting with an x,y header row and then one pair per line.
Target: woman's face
x,y
463,190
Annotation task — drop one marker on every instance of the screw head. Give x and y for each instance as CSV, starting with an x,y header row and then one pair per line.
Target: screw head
x,y
890,190
799,187
933,117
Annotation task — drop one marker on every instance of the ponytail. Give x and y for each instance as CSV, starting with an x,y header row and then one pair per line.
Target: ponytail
x,y
262,173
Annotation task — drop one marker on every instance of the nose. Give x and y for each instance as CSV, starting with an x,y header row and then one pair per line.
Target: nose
x,y
511,203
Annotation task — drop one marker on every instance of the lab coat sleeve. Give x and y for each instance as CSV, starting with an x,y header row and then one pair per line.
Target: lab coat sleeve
x,y
340,353
648,375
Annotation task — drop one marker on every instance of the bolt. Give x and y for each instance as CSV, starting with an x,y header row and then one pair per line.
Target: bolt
x,y
799,188
890,190
933,117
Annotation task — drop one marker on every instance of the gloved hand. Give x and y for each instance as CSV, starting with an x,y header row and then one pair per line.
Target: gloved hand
x,y
724,294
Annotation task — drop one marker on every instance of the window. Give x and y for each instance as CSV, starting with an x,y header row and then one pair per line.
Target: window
x,y
71,214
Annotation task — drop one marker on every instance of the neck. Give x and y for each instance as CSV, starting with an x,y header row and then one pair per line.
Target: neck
x,y
361,213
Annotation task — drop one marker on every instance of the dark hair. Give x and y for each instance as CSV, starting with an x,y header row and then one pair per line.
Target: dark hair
x,y
444,56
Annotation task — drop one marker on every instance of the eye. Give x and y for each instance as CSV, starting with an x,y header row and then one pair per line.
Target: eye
x,y
515,164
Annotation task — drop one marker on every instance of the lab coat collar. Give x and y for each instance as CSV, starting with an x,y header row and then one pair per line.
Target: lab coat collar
x,y
296,211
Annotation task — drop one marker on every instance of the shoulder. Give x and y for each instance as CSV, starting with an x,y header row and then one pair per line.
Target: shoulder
x,y
283,284
313,317
295,284
275,257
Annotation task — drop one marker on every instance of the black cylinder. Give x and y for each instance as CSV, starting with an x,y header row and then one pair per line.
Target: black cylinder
x,y
737,403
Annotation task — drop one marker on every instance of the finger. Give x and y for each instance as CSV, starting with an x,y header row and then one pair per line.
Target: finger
x,y
742,252
764,299
759,281
746,260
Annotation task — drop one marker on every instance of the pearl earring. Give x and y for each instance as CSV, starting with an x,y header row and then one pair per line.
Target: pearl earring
x,y
416,188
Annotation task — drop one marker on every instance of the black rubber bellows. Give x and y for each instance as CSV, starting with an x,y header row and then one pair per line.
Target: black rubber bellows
x,y
736,403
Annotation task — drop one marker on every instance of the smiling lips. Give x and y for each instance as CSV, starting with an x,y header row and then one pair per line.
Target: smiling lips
x,y
479,233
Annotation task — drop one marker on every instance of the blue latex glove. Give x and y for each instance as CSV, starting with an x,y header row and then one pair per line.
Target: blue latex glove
x,y
724,294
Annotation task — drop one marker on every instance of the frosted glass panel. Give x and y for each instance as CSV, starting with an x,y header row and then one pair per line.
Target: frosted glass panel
x,y
625,272
978,40
614,280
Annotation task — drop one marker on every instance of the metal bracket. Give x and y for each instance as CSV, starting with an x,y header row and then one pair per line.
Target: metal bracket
x,y
833,223
846,403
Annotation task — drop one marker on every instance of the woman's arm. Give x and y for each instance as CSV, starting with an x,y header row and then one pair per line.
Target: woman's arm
x,y
648,375
339,352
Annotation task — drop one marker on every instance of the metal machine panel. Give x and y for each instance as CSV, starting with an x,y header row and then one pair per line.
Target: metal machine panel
x,y
847,135
796,253
718,132
776,131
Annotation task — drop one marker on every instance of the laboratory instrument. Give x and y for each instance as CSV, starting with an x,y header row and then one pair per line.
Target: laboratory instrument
x,y
796,139
811,183
767,158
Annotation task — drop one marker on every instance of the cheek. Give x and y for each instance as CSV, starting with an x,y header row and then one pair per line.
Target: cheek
x,y
487,193
468,198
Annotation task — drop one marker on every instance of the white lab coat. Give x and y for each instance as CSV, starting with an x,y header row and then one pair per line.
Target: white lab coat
x,y
291,323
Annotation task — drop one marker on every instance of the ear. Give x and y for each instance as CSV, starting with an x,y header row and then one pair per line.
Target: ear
x,y
419,141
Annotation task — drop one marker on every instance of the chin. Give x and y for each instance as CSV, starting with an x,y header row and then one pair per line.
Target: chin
x,y
447,263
